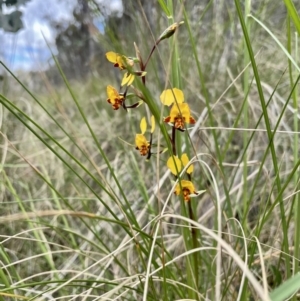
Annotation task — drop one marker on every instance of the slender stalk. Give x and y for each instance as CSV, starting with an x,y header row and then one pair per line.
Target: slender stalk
x,y
245,110
277,181
194,239
173,141
149,56
296,156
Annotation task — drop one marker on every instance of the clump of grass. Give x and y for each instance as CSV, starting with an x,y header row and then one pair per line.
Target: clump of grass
x,y
85,216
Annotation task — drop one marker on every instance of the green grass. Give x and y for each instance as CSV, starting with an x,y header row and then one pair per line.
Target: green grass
x,y
85,217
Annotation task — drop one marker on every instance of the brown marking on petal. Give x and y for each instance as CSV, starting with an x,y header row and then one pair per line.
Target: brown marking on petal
x,y
144,149
192,120
116,106
167,119
118,102
179,122
186,194
119,66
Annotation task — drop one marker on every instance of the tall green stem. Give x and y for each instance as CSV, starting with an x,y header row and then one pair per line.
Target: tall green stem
x,y
245,110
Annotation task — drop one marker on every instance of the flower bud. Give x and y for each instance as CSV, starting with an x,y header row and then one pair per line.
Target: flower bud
x,y
169,31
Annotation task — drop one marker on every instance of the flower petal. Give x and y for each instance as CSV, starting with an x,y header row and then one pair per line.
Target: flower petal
x,y
125,79
117,59
120,62
188,185
185,161
167,119
191,121
130,81
140,140
170,96
112,94
152,124
112,56
174,112
187,189
179,97
128,78
185,111
143,125
174,164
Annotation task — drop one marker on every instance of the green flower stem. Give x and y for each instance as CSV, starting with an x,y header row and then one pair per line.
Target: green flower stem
x,y
296,199
246,109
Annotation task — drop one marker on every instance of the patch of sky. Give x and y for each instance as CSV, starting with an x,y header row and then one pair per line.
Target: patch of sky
x,y
27,49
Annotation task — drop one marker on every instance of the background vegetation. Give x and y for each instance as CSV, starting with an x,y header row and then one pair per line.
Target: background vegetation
x,y
85,217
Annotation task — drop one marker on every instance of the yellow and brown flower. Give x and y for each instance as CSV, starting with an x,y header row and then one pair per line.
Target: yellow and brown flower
x,y
142,144
186,189
120,61
180,114
114,98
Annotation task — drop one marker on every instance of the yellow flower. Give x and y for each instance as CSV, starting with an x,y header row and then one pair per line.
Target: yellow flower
x,y
187,189
128,78
142,144
114,98
176,165
170,96
180,115
119,60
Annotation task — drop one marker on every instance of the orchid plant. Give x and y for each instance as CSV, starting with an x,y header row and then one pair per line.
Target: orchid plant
x,y
179,114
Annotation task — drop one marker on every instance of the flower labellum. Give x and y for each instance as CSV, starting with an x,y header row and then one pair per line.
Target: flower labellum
x,y
180,114
114,98
187,189
142,144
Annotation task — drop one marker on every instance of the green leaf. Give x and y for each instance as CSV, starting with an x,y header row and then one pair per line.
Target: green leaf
x,y
293,14
287,289
277,41
276,275
164,7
